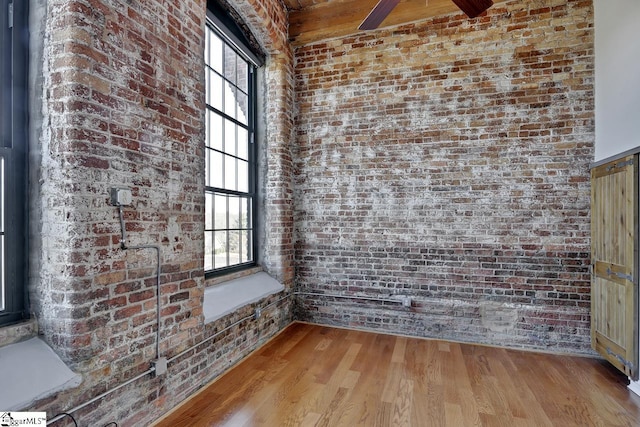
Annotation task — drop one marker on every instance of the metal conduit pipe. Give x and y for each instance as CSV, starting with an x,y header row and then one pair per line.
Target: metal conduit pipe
x,y
400,299
95,399
123,245
153,368
256,315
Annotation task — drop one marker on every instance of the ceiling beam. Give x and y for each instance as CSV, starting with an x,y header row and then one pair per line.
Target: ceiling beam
x,y
340,18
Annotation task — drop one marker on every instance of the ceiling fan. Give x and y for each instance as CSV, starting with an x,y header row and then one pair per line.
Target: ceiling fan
x,y
471,8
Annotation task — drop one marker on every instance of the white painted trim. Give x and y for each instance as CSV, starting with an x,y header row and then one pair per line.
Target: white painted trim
x,y
634,387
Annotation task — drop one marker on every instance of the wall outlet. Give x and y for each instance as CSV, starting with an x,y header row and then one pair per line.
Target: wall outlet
x,y
121,196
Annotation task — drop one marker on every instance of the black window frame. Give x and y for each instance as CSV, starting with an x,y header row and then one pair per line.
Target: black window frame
x,y
14,119
224,26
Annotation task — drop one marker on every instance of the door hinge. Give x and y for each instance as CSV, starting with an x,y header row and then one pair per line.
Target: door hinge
x,y
625,362
619,275
620,165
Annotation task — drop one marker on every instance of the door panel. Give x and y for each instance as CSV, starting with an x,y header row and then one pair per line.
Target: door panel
x,y
614,283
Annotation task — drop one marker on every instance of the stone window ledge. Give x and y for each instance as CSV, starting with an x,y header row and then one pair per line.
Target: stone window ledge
x,y
30,370
227,297
22,331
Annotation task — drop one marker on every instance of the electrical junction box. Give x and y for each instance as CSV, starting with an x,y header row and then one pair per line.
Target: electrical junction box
x,y
121,196
160,366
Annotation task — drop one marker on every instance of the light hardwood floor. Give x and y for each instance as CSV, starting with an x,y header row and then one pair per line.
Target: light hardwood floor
x,y
320,376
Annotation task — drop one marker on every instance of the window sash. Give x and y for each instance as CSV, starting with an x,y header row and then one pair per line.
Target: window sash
x,y
14,52
230,170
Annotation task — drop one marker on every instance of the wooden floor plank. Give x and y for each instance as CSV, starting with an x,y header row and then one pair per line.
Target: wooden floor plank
x,y
403,403
376,353
313,375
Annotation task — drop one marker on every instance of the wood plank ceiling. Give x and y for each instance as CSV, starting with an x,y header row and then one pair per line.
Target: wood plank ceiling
x,y
315,20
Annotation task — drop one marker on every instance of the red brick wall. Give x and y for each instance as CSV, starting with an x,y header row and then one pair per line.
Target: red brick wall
x,y
276,135
448,160
122,106
445,160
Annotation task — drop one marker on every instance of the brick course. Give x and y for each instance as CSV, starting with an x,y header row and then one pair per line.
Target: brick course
x,y
122,106
448,160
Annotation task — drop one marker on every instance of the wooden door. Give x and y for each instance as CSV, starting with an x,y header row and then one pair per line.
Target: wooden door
x,y
614,282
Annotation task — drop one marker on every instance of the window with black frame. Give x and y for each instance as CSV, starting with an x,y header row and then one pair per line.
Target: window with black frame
x,y
230,175
14,40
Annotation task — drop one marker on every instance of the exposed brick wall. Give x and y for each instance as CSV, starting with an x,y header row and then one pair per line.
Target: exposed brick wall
x,y
277,173
276,133
448,160
444,160
276,121
122,106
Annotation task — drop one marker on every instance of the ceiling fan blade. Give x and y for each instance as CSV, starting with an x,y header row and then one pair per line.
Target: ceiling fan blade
x,y
473,8
378,14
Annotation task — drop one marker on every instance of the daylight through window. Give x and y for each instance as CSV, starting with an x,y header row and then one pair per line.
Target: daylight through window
x,y
230,156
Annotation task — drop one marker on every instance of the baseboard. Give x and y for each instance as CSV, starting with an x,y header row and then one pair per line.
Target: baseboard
x,y
634,387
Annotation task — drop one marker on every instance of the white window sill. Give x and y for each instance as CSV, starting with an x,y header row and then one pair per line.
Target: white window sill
x,y
227,297
30,370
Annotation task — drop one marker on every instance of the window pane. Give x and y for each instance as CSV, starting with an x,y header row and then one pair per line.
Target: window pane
x,y
207,46
230,173
230,100
230,146
216,169
241,246
242,223
243,107
234,247
221,251
220,204
215,89
207,167
228,155
243,75
215,52
208,211
208,250
230,64
245,218
207,85
214,131
243,143
14,79
247,241
234,212
207,126
243,176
